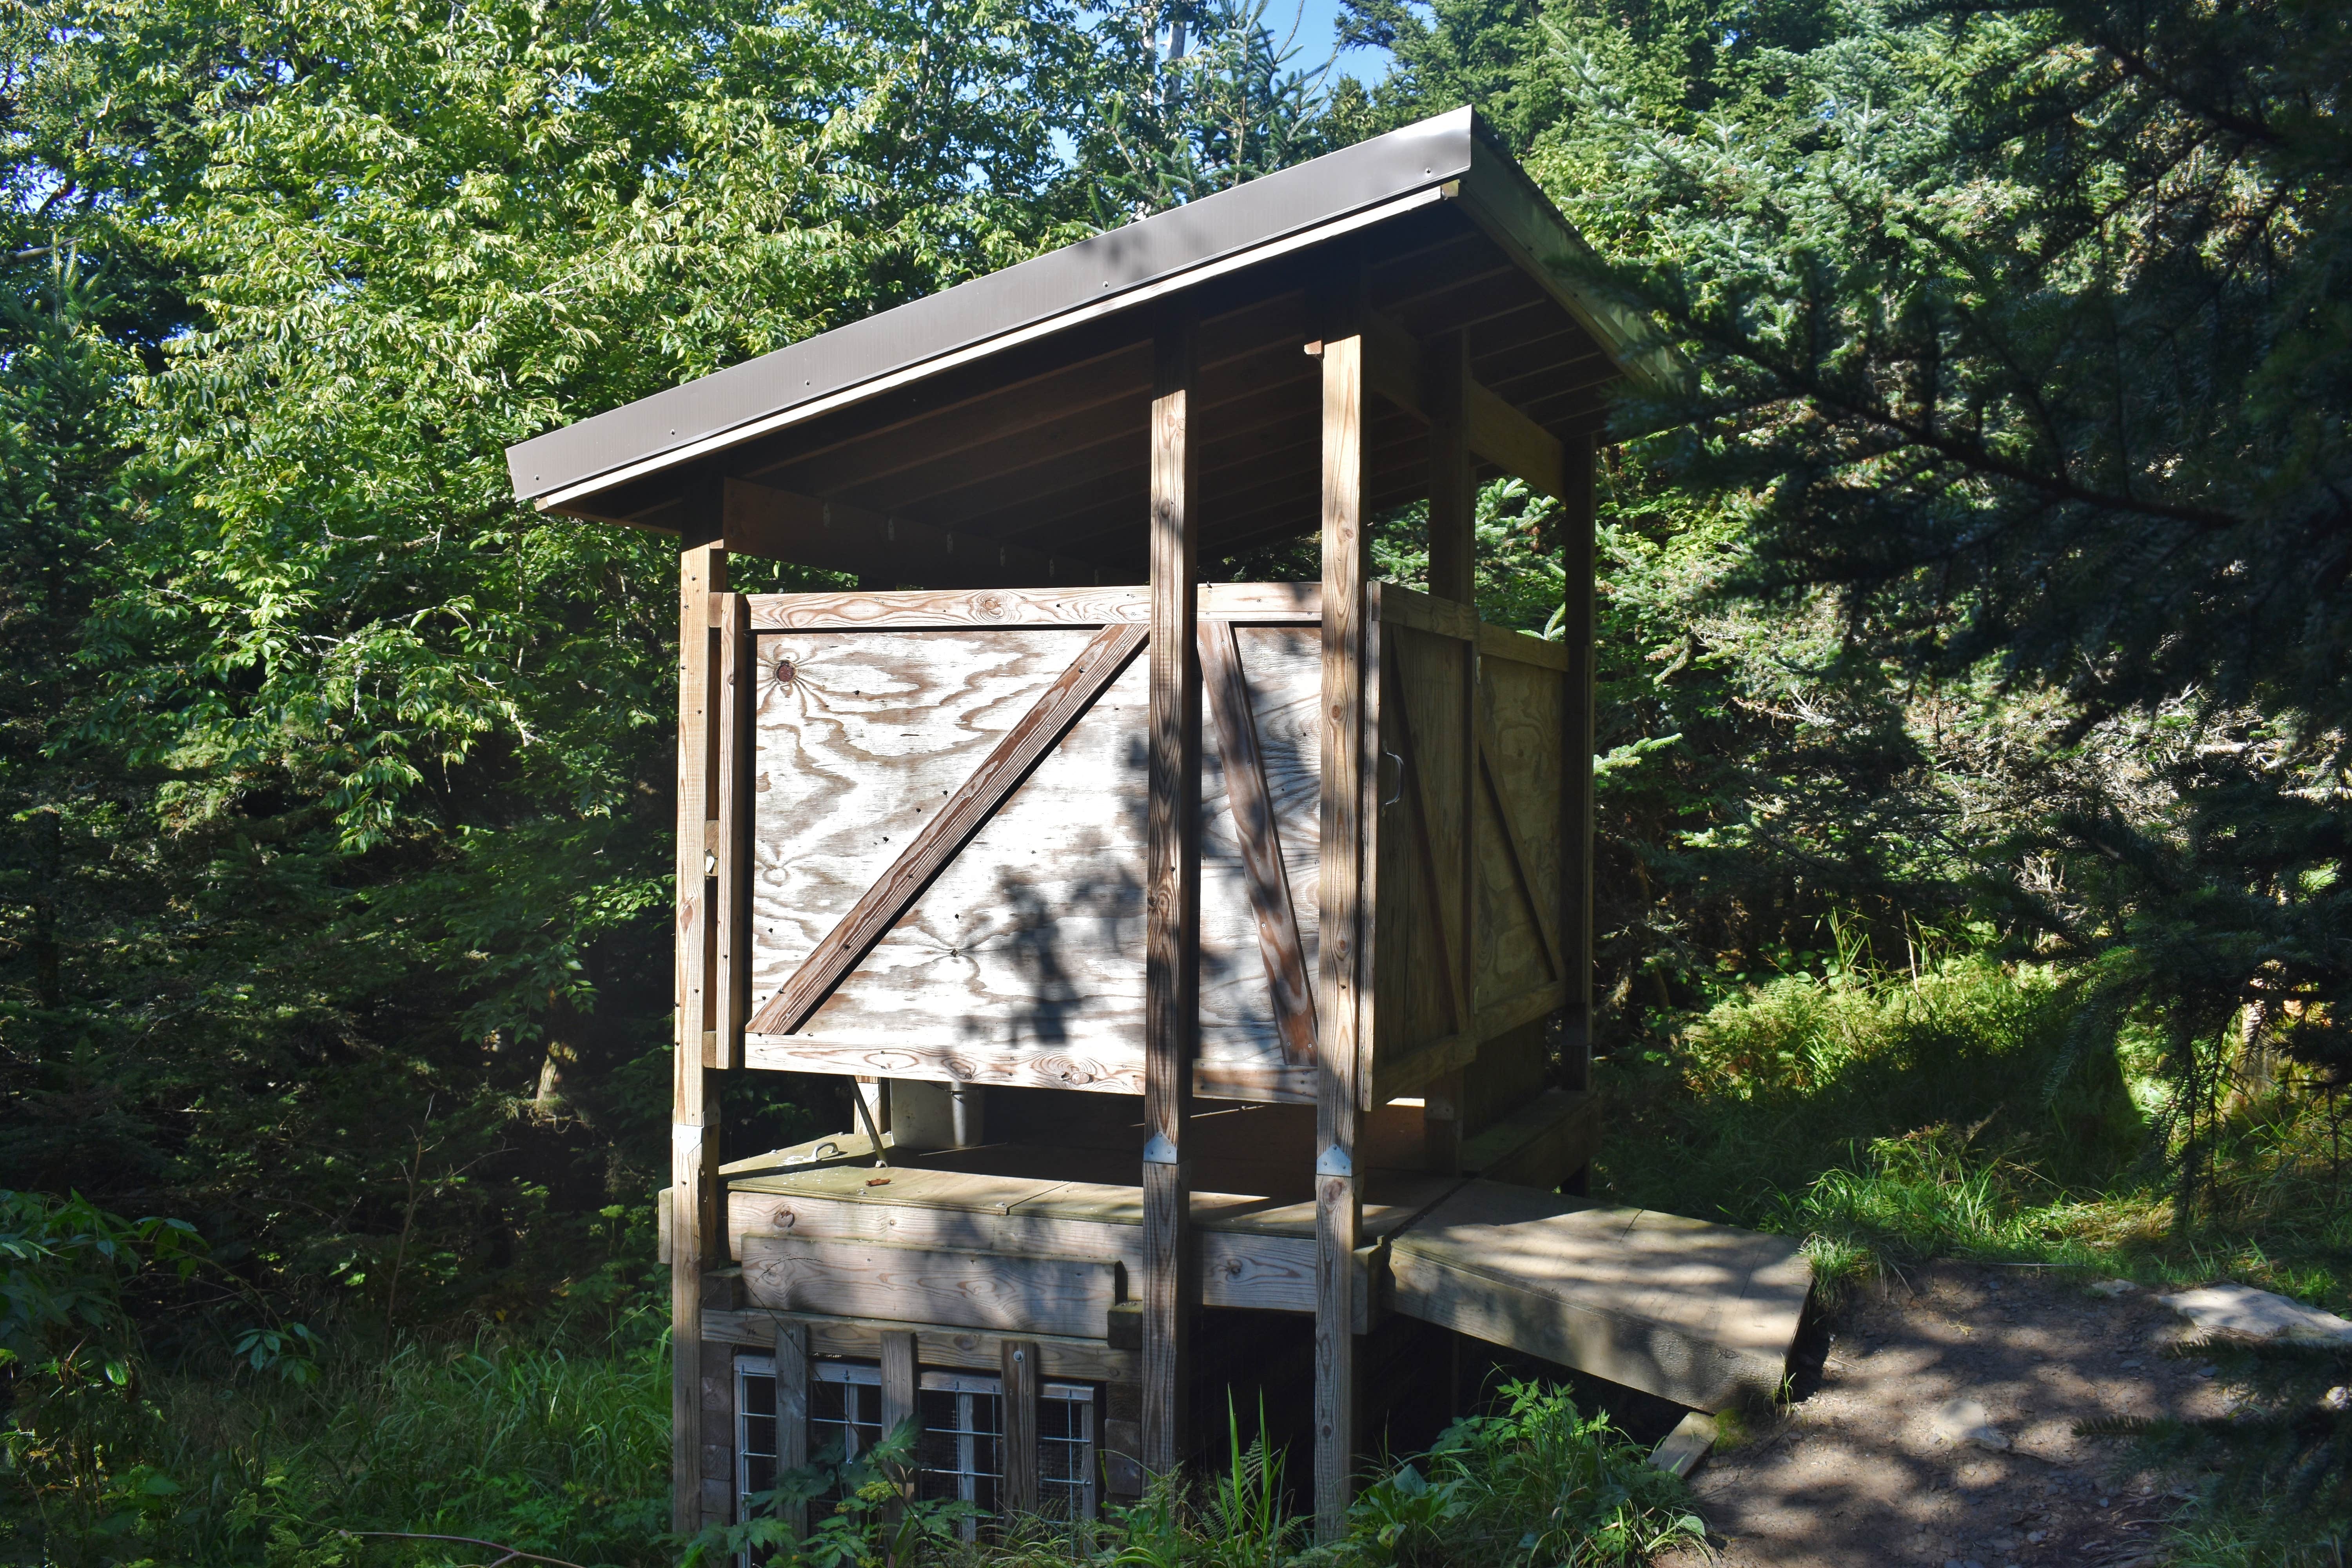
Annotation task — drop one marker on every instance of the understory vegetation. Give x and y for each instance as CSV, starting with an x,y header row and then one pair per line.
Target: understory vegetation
x,y
1974,823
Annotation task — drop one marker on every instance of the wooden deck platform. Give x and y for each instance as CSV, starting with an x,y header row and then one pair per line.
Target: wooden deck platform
x,y
1003,1240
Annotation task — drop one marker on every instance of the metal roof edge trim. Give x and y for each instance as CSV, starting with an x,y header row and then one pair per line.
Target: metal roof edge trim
x,y
1388,174
1503,199
861,390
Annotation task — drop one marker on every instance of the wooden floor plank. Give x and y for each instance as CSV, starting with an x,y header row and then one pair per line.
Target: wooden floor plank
x,y
1694,1312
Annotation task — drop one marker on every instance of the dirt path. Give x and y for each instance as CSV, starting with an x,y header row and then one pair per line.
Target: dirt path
x,y
1865,1471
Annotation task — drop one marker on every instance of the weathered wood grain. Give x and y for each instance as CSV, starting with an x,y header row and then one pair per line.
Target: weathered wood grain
x,y
1517,848
1520,837
1401,607
1453,477
1250,808
928,1285
1423,992
900,1379
729,843
791,1352
1499,433
971,804
1019,1375
947,609
1520,648
1237,1263
702,571
973,1350
1171,1017
1021,964
1691,1311
717,1434
1340,890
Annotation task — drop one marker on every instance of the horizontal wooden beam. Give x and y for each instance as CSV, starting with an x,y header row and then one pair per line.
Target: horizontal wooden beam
x,y
936,1344
760,520
1494,429
948,608
1018,1067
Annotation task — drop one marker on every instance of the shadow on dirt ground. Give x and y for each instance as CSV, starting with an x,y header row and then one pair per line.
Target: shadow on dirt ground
x,y
1937,1429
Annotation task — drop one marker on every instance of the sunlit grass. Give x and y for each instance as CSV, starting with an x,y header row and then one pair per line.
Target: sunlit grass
x,y
1890,1118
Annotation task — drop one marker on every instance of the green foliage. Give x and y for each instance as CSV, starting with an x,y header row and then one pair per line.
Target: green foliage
x,y
2014,334
1863,1076
1224,107
861,1510
70,1364
1536,1483
558,1443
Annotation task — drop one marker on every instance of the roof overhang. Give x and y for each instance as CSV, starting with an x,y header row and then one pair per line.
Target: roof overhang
x,y
1448,158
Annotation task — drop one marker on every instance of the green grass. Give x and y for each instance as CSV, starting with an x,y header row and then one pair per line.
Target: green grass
x,y
1891,1118
1884,1119
548,1446
564,1448
1888,1118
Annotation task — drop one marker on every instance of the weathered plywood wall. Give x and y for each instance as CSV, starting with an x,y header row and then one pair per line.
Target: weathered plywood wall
x,y
1020,960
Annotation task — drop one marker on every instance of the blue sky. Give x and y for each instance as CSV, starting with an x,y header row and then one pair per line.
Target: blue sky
x,y
1317,21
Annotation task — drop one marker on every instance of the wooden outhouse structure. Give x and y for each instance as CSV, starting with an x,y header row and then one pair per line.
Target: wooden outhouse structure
x,y
1212,957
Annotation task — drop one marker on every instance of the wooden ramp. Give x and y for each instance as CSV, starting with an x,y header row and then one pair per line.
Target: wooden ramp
x,y
1694,1312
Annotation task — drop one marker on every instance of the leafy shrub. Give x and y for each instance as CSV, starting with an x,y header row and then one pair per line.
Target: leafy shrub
x,y
1536,1484
69,1366
1883,1117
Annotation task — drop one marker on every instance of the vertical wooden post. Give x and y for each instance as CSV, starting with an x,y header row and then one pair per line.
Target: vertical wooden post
x,y
702,571
718,1431
1172,894
1338,1201
1440,1123
793,1413
1017,1360
1576,772
901,1384
897,1378
730,832
1453,575
1452,475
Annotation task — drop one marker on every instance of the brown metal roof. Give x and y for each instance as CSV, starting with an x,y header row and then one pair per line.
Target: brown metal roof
x,y
994,433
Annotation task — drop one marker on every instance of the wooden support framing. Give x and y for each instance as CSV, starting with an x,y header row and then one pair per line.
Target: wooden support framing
x,y
1252,805
1491,427
717,1433
1019,1377
1172,906
793,1412
1453,478
1397,732
1346,778
694,1222
900,1378
764,521
1576,772
729,834
1453,575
